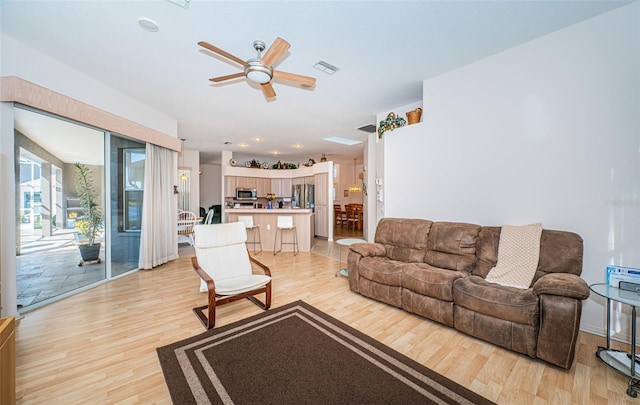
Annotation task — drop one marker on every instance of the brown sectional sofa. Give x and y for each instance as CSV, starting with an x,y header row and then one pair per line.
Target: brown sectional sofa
x,y
437,270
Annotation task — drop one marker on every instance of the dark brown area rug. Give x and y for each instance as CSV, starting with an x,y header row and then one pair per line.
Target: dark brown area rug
x,y
296,354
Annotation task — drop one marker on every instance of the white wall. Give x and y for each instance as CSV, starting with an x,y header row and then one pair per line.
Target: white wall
x,y
7,215
547,131
210,185
29,64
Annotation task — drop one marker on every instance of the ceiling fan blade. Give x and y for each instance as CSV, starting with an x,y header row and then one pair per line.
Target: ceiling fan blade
x,y
227,77
292,77
267,89
277,49
222,53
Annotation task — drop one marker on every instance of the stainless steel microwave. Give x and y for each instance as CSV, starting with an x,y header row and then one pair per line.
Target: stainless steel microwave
x,y
246,194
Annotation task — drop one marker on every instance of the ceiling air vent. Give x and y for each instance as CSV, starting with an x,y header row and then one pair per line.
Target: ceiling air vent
x,y
326,67
368,128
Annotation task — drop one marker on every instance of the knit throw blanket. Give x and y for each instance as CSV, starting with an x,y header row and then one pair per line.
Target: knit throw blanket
x,y
518,255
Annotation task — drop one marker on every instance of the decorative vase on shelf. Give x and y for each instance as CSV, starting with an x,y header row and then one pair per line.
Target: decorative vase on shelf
x,y
269,206
414,116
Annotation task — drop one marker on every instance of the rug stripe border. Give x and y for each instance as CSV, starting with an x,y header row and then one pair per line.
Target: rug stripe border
x,y
446,390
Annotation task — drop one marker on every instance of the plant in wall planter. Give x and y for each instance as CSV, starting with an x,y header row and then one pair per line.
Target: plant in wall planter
x,y
390,123
90,224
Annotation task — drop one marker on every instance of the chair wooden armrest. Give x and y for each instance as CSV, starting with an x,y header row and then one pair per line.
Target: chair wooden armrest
x,y
211,285
208,320
266,269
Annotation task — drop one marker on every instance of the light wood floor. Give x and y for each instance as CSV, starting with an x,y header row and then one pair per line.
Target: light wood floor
x,y
98,347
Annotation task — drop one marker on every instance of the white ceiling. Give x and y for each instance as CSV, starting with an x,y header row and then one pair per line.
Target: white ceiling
x,y
384,50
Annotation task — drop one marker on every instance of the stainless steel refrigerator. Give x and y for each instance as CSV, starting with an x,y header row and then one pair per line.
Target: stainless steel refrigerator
x,y
302,196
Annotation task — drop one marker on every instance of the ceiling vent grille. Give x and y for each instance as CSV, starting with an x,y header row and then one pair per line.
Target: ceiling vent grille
x,y
368,128
326,67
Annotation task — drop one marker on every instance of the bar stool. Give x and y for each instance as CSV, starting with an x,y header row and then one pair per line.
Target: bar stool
x,y
285,223
255,229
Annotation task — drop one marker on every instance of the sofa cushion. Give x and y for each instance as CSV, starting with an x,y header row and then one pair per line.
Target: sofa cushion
x,y
404,239
487,250
382,270
431,281
506,303
452,245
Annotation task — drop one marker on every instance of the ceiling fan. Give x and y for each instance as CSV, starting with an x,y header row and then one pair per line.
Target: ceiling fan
x,y
260,69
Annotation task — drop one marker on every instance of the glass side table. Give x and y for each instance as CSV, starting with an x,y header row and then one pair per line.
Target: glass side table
x,y
618,359
341,243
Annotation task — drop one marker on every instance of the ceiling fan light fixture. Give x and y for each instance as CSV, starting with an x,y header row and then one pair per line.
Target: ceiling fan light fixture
x,y
257,72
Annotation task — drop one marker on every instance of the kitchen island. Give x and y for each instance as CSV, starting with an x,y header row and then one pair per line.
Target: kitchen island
x,y
303,219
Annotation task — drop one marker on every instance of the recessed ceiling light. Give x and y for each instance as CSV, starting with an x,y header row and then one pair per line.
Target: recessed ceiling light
x,y
298,146
342,141
257,139
148,24
275,152
243,145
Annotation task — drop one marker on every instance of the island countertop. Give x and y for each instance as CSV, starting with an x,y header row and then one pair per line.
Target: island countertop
x,y
266,219
268,211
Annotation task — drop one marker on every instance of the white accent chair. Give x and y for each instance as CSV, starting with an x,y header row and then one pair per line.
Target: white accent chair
x,y
226,269
285,223
247,220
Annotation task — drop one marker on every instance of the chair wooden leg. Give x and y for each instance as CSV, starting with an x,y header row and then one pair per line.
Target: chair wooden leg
x,y
209,320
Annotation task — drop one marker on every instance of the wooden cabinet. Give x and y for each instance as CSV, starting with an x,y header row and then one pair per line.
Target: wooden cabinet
x,y
309,180
321,189
230,184
322,221
263,186
7,361
298,180
246,182
322,204
281,187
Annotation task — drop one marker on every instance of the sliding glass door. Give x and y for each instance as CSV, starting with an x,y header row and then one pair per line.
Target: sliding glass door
x,y
127,187
49,222
49,264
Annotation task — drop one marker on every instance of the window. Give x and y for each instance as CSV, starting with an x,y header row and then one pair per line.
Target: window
x,y
133,188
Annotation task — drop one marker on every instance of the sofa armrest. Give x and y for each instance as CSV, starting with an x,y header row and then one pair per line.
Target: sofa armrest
x,y
369,249
562,284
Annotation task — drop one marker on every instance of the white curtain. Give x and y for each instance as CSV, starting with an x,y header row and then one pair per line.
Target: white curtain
x,y
159,236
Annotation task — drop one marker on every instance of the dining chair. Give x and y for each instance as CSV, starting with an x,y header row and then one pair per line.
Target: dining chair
x,y
339,215
186,221
352,216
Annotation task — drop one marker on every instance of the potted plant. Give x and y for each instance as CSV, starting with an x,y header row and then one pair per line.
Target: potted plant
x,y
90,223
